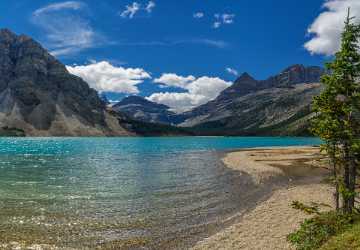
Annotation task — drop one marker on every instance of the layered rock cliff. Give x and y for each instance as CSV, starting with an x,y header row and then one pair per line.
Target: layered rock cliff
x,y
39,97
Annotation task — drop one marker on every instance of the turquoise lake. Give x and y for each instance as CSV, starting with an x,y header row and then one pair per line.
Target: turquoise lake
x,y
114,193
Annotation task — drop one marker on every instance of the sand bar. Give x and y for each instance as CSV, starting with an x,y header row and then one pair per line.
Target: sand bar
x,y
268,224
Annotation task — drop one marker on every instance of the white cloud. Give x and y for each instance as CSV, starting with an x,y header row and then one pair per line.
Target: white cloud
x,y
196,91
232,71
150,6
215,43
67,30
178,102
130,10
221,19
198,15
327,28
209,87
228,18
173,80
209,42
74,5
216,25
103,76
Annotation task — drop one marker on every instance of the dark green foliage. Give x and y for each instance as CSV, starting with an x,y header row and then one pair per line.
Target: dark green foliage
x,y
11,132
149,129
154,129
337,122
314,232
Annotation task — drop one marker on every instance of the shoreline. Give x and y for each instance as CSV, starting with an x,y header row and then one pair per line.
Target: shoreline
x,y
268,223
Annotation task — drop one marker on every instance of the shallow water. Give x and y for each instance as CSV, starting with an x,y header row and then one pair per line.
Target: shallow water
x,y
116,193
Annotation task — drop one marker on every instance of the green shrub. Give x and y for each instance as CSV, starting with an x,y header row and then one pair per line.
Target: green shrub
x,y
314,232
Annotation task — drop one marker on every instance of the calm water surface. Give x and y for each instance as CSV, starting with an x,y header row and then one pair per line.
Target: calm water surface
x,y
115,193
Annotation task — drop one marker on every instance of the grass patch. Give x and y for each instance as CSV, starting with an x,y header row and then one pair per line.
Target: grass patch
x,y
350,239
315,232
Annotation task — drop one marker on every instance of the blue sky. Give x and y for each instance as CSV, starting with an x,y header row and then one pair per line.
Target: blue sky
x,y
201,43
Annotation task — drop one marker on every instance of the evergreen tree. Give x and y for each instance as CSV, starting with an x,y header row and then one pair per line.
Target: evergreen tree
x,y
337,121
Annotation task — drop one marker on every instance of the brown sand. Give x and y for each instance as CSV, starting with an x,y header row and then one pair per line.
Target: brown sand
x,y
268,224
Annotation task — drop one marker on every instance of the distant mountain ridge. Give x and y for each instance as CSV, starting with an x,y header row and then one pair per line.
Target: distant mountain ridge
x,y
141,109
279,105
294,74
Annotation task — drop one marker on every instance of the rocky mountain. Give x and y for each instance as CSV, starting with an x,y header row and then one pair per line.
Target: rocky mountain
x,y
292,75
38,96
279,105
140,109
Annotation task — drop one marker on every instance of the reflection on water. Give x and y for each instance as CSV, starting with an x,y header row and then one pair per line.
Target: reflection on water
x,y
113,193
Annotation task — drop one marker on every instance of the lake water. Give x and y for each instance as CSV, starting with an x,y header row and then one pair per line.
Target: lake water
x,y
115,193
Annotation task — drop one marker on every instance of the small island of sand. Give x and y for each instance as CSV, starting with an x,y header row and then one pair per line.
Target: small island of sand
x,y
268,224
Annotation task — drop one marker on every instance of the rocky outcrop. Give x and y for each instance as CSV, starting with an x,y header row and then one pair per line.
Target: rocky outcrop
x,y
41,98
294,75
140,109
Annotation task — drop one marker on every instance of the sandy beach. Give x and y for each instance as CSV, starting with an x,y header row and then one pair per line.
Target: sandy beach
x,y
267,225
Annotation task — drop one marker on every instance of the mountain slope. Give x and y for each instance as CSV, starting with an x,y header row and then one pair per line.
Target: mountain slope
x,y
279,105
39,97
140,109
274,111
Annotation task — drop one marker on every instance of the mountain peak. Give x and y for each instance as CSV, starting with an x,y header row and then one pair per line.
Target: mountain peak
x,y
39,95
245,77
245,81
298,73
243,85
7,35
6,31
